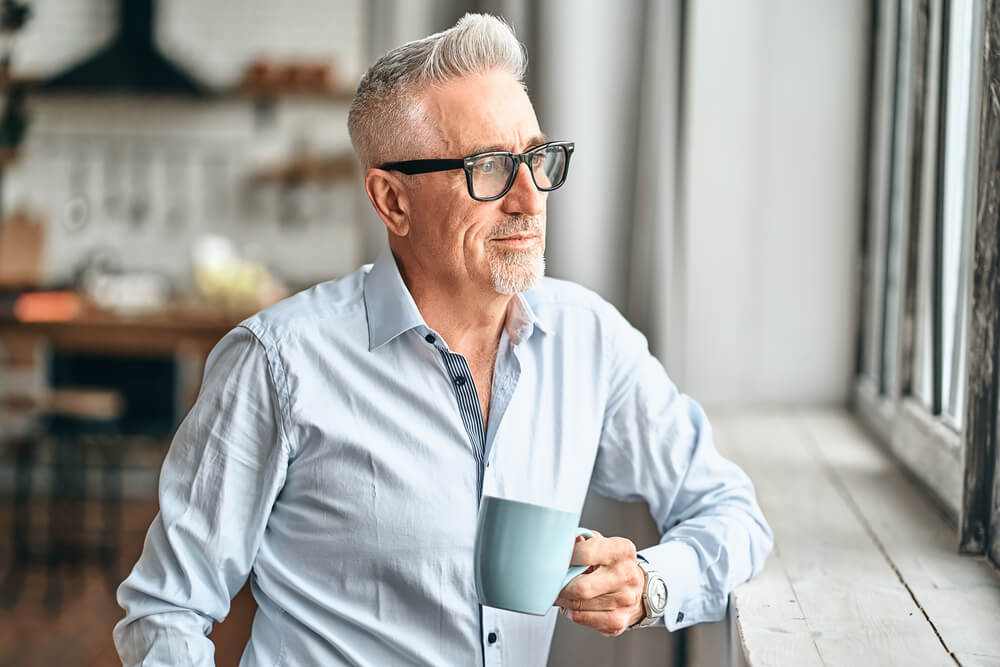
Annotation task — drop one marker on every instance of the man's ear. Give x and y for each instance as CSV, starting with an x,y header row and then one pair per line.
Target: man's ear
x,y
388,196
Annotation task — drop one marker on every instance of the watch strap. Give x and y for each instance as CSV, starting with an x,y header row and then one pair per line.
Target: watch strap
x,y
648,573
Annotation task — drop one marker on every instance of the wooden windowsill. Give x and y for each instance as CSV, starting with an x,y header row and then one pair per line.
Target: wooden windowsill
x,y
865,569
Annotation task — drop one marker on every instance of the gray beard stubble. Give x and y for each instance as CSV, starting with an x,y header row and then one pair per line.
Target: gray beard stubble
x,y
515,271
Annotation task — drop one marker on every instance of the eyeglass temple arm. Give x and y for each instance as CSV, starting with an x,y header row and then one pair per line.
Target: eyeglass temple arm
x,y
423,166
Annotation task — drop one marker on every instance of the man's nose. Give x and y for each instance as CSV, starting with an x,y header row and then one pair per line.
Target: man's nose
x,y
523,196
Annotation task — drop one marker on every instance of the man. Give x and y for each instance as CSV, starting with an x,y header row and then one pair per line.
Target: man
x,y
343,438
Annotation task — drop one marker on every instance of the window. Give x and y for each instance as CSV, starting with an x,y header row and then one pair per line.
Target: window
x,y
928,350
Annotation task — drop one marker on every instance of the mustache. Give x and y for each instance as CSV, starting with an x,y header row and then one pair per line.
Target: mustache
x,y
518,224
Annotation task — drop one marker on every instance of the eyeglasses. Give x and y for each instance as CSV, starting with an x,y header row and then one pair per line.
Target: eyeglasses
x,y
489,176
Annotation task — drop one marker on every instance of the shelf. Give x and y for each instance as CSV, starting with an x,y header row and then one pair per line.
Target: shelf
x,y
319,89
319,169
320,93
266,81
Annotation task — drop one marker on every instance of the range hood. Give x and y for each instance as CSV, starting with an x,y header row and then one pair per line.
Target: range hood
x,y
131,63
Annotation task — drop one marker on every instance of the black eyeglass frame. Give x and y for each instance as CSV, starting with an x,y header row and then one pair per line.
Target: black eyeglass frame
x,y
411,167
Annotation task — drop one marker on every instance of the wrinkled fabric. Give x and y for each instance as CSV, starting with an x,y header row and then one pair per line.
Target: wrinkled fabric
x,y
326,459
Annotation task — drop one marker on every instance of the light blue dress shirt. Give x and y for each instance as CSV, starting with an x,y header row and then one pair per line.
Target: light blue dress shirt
x,y
335,457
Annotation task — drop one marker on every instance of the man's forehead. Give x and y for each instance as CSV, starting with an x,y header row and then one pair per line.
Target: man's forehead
x,y
490,146
482,113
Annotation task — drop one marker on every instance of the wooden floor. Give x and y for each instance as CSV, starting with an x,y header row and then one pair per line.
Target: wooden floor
x,y
865,569
78,631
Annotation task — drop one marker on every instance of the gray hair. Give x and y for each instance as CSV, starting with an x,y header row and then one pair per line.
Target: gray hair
x,y
385,114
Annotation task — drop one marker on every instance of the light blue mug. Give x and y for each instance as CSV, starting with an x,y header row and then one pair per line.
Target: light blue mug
x,y
523,553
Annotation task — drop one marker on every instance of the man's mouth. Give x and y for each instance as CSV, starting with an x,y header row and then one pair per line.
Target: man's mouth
x,y
516,238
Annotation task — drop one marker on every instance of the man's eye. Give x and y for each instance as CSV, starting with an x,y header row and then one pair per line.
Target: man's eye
x,y
488,166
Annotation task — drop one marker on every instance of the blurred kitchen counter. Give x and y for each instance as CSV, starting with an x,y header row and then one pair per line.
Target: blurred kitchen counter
x,y
180,326
185,330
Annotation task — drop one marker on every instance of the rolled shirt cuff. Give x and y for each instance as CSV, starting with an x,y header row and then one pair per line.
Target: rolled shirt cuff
x,y
687,601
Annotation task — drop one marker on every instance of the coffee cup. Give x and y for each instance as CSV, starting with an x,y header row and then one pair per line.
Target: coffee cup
x,y
522,554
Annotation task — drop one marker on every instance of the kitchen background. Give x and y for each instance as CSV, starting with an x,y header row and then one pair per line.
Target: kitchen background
x,y
123,173
716,199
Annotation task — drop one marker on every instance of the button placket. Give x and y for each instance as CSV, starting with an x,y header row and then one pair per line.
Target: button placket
x,y
469,409
505,384
489,635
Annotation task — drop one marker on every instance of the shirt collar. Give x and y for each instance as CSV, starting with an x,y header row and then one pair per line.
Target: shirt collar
x,y
521,319
390,307
391,310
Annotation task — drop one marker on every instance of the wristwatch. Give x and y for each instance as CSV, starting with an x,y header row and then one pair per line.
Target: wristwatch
x,y
654,595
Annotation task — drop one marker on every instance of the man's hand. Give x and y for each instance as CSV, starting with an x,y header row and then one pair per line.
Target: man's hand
x,y
608,596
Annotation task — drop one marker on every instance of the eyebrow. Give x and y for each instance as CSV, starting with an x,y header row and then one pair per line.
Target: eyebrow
x,y
535,141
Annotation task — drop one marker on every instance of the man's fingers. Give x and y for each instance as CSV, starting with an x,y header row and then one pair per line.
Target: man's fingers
x,y
607,602
608,623
603,551
608,599
620,583
589,586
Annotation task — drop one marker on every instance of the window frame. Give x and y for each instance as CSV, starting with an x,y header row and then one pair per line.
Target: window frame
x,y
922,442
958,466
979,526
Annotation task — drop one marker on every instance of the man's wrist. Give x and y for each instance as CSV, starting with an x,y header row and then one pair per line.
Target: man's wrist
x,y
639,614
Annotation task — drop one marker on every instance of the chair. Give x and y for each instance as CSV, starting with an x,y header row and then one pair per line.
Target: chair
x,y
73,422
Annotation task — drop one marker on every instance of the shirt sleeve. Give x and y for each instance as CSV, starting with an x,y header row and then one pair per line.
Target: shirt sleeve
x,y
218,482
657,447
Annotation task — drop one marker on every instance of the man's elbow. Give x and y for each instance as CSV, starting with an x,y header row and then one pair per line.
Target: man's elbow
x,y
170,638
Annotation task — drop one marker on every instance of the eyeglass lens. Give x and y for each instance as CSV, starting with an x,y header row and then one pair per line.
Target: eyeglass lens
x,y
491,174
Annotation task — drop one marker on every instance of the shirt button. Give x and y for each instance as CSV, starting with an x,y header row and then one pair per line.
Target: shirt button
x,y
492,638
430,338
459,380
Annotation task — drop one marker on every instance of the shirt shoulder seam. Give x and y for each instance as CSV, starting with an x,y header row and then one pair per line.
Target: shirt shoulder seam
x,y
278,381
316,315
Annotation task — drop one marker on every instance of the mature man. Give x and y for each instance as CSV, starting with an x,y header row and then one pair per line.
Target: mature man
x,y
343,438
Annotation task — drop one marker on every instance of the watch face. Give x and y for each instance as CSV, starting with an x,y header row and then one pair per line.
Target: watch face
x,y
657,595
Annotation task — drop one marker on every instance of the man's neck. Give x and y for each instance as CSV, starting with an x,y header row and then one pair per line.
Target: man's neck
x,y
468,320
467,325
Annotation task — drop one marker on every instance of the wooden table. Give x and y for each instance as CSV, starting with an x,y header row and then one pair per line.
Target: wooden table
x,y
865,569
184,331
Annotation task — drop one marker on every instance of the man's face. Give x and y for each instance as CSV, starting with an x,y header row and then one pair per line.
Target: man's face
x,y
496,245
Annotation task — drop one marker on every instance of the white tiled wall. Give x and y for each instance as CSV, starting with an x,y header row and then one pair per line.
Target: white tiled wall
x,y
214,39
138,178
61,32
217,38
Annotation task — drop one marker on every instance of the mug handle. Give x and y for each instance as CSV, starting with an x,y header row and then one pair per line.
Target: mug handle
x,y
576,570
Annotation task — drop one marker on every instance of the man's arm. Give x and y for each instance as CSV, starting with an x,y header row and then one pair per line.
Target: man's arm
x,y
657,446
218,482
